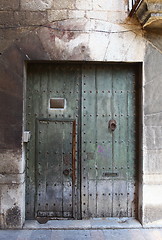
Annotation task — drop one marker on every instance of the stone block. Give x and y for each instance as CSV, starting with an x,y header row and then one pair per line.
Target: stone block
x,y
152,179
152,96
111,5
6,18
31,47
153,84
30,18
154,6
116,17
68,4
101,15
152,70
152,162
36,5
76,14
13,57
12,212
57,15
12,178
11,162
84,5
9,5
152,205
149,120
4,44
7,37
153,138
9,80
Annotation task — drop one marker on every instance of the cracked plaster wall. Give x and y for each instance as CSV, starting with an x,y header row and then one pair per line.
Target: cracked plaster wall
x,y
75,30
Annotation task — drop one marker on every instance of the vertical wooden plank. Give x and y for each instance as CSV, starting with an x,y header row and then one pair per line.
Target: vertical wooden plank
x,y
55,168
119,198
33,93
104,200
41,166
88,140
43,97
29,186
104,139
42,146
132,167
92,198
122,86
103,106
67,167
120,141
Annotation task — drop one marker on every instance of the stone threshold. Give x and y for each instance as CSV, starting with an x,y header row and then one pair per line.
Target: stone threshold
x,y
94,223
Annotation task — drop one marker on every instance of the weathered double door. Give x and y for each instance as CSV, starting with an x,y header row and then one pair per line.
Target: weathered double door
x,y
81,158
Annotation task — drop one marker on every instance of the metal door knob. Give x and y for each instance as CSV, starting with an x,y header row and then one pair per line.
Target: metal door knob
x,y
112,124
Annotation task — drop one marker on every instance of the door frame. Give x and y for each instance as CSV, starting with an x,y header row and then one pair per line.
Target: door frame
x,y
139,128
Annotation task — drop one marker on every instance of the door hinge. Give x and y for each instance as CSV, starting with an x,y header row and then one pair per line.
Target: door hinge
x,y
26,136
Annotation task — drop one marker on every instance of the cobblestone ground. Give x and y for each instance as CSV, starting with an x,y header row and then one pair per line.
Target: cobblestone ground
x,y
117,234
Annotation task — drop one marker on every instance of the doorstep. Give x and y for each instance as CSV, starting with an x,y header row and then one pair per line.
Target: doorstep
x,y
94,223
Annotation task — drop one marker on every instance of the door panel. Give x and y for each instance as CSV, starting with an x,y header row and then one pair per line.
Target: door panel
x,y
53,130
109,176
54,171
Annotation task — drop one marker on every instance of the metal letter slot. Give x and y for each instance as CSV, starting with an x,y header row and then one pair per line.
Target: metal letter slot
x,y
57,103
112,124
110,174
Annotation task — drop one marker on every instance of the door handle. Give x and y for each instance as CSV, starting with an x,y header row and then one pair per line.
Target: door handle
x,y
112,124
66,172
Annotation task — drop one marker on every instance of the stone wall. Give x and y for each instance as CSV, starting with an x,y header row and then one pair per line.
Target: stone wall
x,y
20,16
75,30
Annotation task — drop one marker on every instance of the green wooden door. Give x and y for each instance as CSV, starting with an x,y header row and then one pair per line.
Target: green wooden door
x,y
108,157
54,168
53,93
77,165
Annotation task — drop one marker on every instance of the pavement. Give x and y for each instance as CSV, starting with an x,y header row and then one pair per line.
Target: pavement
x,y
106,234
96,229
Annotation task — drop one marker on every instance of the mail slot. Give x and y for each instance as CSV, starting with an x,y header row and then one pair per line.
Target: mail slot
x,y
110,174
57,103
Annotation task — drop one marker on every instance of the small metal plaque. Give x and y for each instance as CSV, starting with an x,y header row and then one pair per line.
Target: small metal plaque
x,y
57,103
45,214
26,136
110,174
50,214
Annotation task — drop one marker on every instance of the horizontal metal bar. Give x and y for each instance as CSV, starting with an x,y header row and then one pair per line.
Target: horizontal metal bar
x,y
56,119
